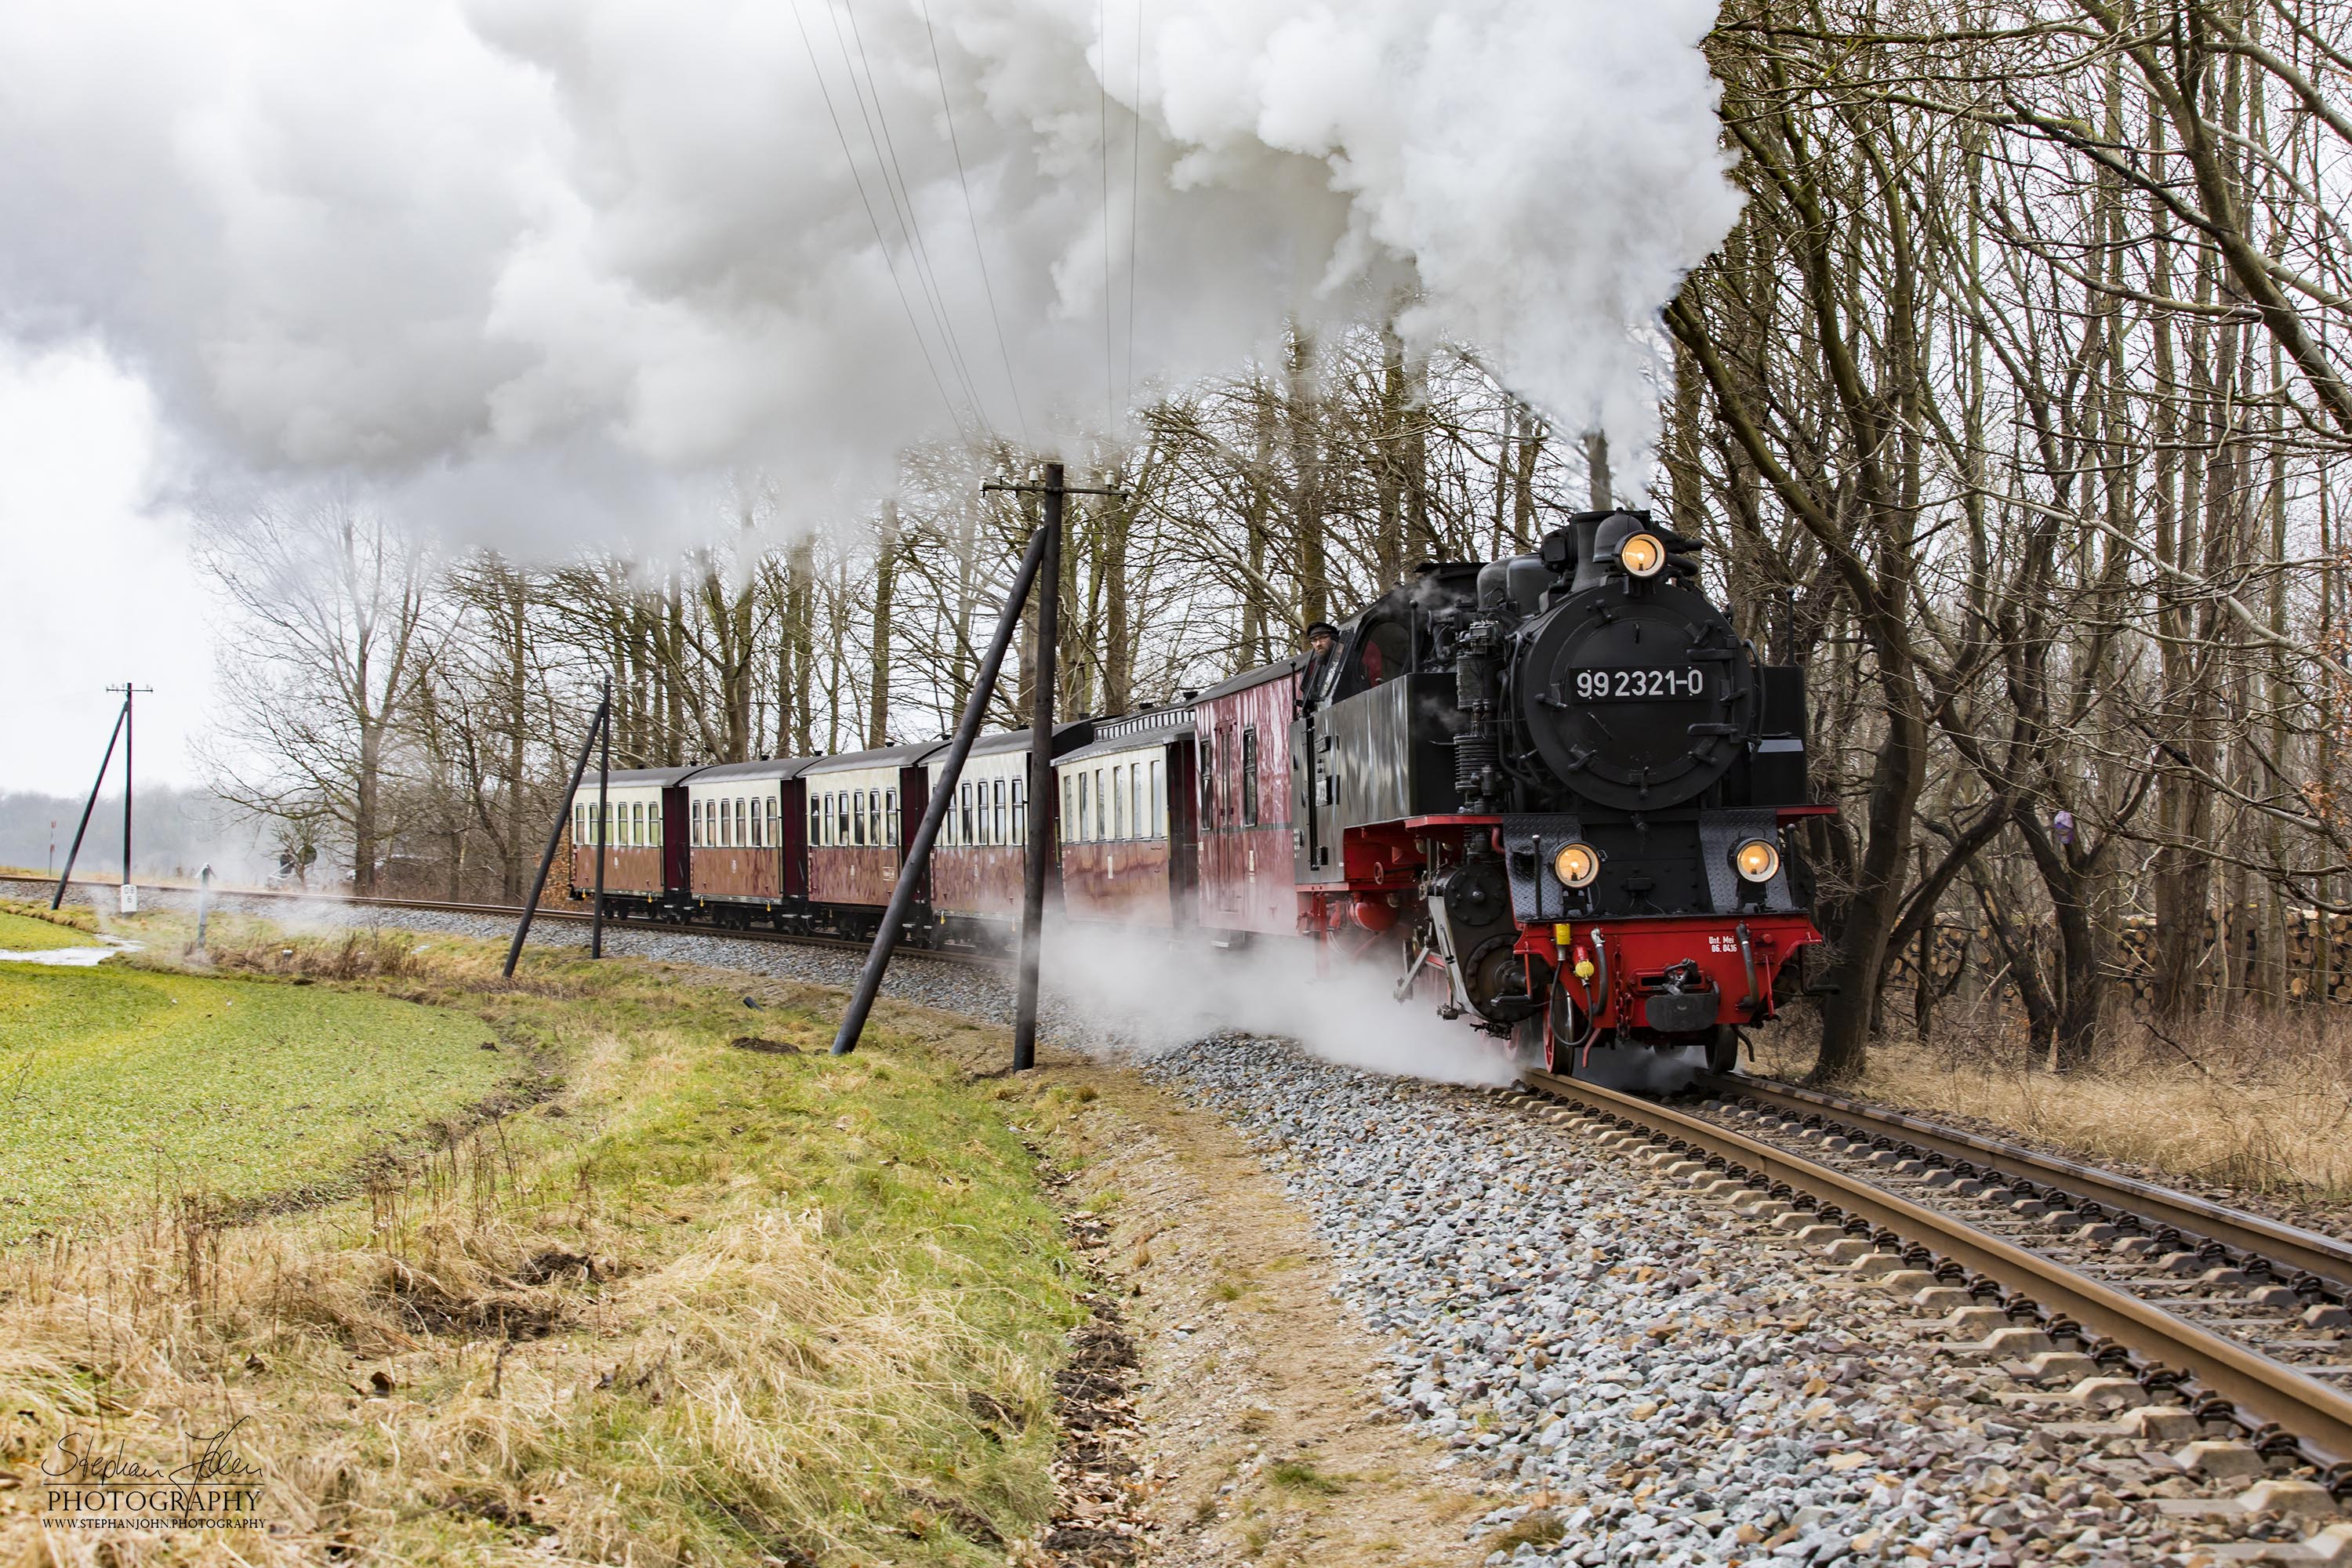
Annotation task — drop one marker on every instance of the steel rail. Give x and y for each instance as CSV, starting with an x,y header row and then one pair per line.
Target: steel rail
x,y
2267,1393
548,912
2308,1251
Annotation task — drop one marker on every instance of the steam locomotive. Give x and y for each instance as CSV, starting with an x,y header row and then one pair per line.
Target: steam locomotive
x,y
1547,794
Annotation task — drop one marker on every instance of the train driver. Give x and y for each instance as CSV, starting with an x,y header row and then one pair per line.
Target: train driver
x,y
1322,659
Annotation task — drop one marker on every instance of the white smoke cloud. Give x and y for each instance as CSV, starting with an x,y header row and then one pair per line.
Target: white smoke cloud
x,y
518,254
1139,994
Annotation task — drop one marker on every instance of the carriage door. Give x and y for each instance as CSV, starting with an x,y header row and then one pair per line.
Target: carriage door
x,y
914,796
1183,831
794,882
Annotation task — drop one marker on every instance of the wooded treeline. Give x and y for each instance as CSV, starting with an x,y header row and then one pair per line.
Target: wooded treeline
x,y
2016,408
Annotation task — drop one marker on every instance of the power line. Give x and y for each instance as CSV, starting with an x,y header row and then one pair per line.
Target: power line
x,y
1134,199
1102,115
972,216
903,205
946,399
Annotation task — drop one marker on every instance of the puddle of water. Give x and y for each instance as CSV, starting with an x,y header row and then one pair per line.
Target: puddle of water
x,y
71,957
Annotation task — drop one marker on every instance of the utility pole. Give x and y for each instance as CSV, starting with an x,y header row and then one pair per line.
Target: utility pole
x,y
598,726
121,731
1038,581
129,899
1046,608
604,818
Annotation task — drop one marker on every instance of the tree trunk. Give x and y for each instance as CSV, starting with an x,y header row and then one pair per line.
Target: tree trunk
x,y
1600,490
1305,410
1895,781
516,850
1387,462
886,582
1119,633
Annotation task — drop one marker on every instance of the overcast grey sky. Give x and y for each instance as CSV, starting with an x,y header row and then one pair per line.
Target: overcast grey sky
x,y
523,272
99,583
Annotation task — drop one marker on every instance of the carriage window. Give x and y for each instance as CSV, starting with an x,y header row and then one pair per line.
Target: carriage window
x,y
997,792
1134,801
890,815
1118,814
1102,807
841,818
1208,785
1019,819
854,803
1249,776
776,825
653,823
1151,794
963,812
1086,811
759,828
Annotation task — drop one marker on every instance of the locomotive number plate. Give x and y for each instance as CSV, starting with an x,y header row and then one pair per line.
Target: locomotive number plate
x,y
1633,685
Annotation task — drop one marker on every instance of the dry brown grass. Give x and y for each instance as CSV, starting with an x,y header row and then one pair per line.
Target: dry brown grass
x,y
2258,1101
705,1306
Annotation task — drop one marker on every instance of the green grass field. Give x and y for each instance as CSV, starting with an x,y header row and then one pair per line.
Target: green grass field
x,y
22,933
706,1297
118,1083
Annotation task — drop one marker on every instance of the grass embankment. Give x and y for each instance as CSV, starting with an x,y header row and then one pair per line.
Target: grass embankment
x,y
118,1083
704,1302
2259,1102
30,933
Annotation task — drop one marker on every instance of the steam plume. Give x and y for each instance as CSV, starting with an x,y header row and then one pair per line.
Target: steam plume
x,y
511,249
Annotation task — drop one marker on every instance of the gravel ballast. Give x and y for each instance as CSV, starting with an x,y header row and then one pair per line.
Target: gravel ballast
x,y
1647,1377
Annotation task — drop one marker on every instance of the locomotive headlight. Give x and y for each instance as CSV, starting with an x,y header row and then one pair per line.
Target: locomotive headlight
x,y
1642,555
1756,860
1576,865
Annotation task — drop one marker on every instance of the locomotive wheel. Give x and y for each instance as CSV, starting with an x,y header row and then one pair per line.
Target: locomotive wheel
x,y
1723,1048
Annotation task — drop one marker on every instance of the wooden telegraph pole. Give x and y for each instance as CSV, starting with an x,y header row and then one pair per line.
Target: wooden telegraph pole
x,y
1039,583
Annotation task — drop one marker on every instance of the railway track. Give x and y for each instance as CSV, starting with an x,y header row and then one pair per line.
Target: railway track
x,y
511,912
2240,1320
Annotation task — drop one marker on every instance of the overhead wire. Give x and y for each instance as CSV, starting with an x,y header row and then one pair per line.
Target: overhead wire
x,y
877,130
971,214
888,260
1134,200
1102,114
